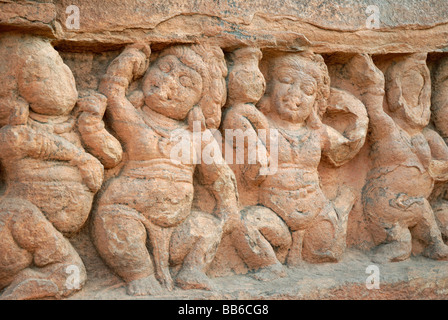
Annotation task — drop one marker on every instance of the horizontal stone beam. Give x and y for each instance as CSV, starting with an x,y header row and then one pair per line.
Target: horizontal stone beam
x,y
323,25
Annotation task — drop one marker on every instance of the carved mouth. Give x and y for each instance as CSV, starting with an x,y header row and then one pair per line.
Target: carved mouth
x,y
292,106
168,96
164,98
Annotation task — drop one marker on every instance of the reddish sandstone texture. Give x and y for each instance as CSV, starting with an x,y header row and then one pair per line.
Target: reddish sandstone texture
x,y
237,148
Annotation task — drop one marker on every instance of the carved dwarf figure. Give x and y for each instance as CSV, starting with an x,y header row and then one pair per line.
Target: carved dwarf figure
x,y
439,107
407,157
292,218
50,179
152,196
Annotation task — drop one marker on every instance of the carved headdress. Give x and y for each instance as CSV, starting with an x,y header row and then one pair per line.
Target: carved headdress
x,y
209,62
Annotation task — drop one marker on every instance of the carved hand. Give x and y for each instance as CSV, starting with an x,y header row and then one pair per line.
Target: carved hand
x,y
131,63
93,103
95,137
257,173
92,171
365,76
438,169
343,144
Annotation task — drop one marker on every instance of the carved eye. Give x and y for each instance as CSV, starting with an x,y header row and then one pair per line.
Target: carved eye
x,y
165,66
308,89
286,79
186,81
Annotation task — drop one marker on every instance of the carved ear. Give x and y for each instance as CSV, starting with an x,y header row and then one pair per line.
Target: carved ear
x,y
264,105
137,98
211,111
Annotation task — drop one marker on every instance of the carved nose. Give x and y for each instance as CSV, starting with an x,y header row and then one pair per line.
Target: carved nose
x,y
295,95
263,83
259,78
168,88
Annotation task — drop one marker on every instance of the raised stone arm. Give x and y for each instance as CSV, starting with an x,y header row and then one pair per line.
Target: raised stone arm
x,y
95,137
130,64
366,82
340,147
220,180
248,120
370,82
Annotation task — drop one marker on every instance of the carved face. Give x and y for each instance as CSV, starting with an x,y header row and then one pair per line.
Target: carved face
x,y
48,84
440,99
171,88
293,92
408,92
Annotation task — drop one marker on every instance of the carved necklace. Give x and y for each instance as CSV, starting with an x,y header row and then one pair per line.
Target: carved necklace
x,y
156,123
295,140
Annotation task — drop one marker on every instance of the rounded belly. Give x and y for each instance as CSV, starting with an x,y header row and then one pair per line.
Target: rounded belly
x,y
399,196
66,204
408,180
165,203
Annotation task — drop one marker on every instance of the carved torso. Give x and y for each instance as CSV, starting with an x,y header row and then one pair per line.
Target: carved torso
x,y
299,154
406,168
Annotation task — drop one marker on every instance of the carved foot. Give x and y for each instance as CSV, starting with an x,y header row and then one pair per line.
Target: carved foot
x,y
144,287
438,251
193,279
393,252
165,279
269,273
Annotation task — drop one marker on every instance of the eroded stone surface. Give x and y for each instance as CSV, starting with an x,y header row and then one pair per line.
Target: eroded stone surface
x,y
114,148
49,178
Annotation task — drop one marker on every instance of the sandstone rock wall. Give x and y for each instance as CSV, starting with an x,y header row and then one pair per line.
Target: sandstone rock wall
x,y
115,158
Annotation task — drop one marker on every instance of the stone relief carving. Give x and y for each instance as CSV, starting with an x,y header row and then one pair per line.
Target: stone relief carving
x,y
54,148
407,158
50,180
292,214
439,107
152,196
